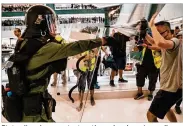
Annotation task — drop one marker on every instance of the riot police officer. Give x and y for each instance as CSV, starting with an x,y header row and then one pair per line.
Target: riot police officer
x,y
37,57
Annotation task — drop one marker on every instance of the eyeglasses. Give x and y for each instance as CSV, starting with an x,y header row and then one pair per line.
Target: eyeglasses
x,y
163,32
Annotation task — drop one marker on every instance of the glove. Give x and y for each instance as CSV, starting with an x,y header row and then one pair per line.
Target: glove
x,y
58,38
111,41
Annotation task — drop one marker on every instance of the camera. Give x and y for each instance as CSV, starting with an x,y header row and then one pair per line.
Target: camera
x,y
142,31
143,28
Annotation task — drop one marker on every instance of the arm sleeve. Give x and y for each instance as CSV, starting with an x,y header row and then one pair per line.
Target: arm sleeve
x,y
53,51
74,48
176,45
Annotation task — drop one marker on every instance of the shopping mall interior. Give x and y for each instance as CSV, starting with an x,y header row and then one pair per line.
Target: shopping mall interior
x,y
113,102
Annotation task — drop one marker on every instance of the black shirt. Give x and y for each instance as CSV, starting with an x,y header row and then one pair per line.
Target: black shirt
x,y
121,51
148,60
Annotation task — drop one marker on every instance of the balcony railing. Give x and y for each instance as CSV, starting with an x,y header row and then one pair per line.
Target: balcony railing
x,y
61,26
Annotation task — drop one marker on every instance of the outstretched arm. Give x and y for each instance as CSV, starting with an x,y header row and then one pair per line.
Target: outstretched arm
x,y
53,51
158,39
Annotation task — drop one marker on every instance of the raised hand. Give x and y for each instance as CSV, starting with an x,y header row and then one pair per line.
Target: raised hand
x,y
151,23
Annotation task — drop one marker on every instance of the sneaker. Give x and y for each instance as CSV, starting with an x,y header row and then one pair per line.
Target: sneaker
x,y
139,96
150,97
97,86
122,80
112,83
178,110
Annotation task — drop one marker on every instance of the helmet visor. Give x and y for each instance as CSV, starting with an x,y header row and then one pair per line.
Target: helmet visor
x,y
52,23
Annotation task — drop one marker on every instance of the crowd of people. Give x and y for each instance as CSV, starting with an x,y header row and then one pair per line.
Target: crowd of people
x,y
81,20
24,7
13,22
68,20
15,7
77,6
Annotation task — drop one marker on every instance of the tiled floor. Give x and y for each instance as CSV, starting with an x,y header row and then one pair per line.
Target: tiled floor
x,y
108,110
115,110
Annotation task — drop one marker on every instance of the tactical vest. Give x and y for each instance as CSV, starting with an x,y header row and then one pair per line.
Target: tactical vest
x,y
156,57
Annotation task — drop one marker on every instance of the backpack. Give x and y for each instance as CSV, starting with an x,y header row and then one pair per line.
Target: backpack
x,y
16,64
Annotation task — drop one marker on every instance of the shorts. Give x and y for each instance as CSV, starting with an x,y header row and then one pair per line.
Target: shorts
x,y
120,62
163,101
85,77
143,73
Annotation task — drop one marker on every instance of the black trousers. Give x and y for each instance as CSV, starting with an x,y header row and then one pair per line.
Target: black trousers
x,y
95,75
143,73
